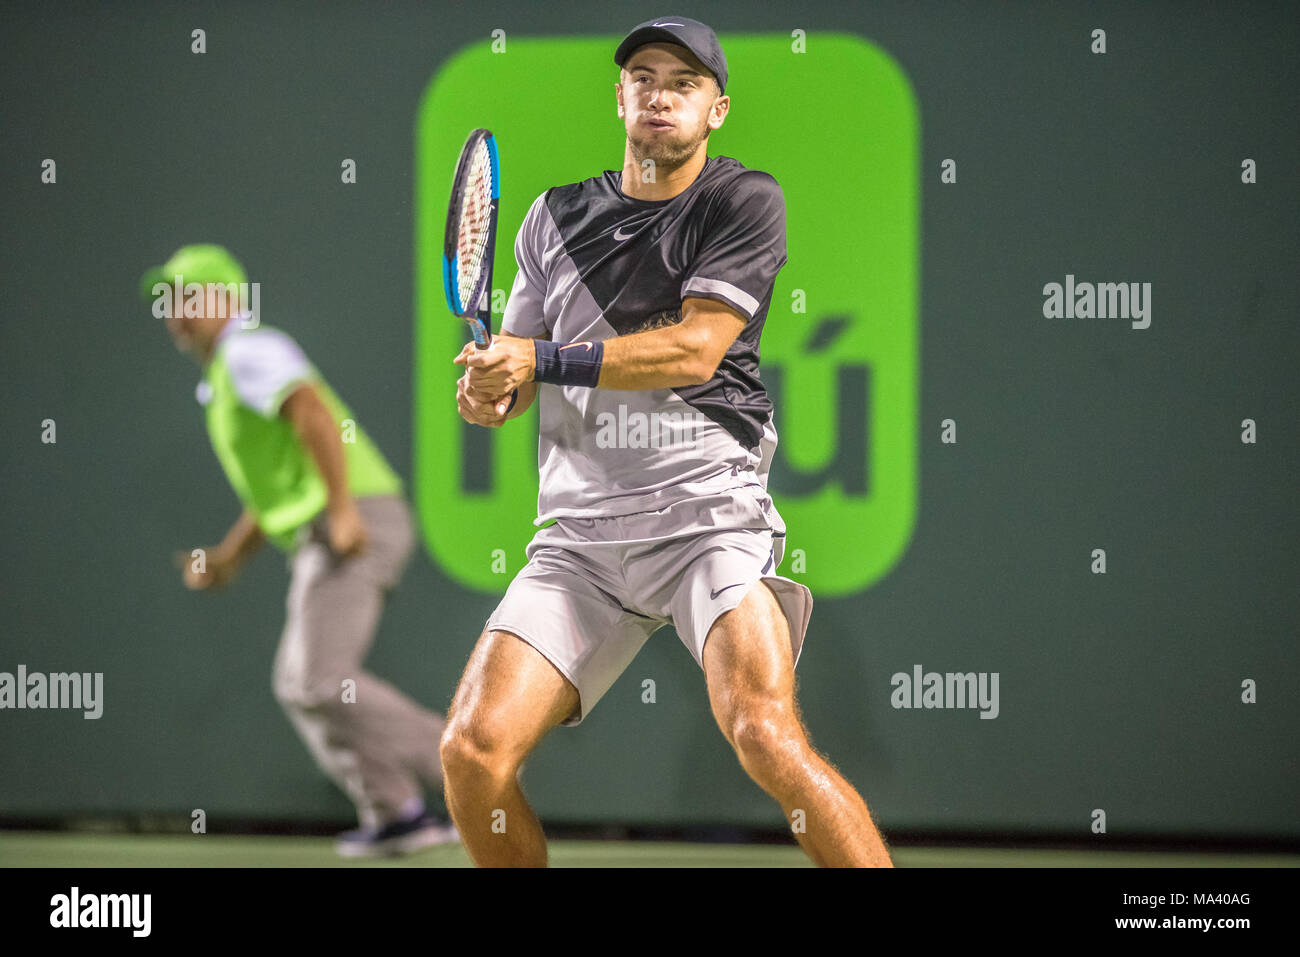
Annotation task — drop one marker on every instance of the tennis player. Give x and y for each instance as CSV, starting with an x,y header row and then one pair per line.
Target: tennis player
x,y
337,508
634,321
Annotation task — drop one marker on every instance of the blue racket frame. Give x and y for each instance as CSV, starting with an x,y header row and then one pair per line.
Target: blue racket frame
x,y
478,309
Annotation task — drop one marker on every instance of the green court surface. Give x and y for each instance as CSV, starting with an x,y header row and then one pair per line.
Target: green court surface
x,y
47,849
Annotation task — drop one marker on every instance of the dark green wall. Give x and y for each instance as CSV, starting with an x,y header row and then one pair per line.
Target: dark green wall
x,y
1119,691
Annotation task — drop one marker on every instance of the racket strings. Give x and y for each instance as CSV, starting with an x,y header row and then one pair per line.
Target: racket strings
x,y
475,217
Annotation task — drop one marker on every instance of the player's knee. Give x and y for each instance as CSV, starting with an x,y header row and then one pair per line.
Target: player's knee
x,y
471,750
764,737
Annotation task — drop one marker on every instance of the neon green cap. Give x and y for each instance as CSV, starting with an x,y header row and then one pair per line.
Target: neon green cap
x,y
202,263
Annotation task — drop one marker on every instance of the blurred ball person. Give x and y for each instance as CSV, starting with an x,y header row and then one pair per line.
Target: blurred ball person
x,y
337,508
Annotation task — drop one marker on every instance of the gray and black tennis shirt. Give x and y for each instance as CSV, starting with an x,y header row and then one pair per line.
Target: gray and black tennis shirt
x,y
595,263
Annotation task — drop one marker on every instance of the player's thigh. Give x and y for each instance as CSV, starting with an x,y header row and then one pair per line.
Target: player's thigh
x,y
749,663
508,698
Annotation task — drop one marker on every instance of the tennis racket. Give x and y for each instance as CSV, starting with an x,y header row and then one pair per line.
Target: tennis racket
x,y
470,241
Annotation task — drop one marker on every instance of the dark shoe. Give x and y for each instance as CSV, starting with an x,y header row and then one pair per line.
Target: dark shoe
x,y
399,837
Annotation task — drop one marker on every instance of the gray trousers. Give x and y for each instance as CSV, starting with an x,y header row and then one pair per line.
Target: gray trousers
x,y
378,745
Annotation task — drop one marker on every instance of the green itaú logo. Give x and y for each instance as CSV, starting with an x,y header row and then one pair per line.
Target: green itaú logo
x,y
837,126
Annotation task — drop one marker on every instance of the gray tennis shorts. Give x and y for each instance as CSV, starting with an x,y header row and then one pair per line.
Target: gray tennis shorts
x,y
595,589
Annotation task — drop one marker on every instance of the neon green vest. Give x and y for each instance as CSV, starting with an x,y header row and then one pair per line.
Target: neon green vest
x,y
268,467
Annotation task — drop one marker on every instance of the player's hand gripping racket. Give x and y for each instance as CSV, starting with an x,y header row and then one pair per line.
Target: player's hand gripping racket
x,y
471,235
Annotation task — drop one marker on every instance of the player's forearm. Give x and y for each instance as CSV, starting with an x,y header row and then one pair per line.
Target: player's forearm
x,y
684,354
656,359
527,393
244,538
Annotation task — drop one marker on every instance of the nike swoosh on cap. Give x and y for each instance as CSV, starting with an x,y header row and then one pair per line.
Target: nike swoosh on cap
x,y
668,24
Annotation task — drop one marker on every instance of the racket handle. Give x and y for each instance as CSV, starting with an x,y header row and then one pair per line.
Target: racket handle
x,y
482,338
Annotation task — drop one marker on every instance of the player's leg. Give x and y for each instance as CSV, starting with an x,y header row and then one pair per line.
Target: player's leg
x,y
555,644
749,668
508,698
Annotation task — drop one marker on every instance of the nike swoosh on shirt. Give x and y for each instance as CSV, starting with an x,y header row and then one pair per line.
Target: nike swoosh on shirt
x,y
715,594
619,237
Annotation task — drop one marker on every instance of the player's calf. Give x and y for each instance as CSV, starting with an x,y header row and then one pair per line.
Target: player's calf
x,y
507,700
496,825
749,670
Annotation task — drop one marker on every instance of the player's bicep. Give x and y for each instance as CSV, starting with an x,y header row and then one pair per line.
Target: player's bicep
x,y
743,249
712,326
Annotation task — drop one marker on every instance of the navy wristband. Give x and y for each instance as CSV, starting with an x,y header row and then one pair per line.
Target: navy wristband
x,y
573,363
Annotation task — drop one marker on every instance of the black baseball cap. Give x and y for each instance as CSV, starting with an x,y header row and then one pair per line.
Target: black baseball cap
x,y
697,37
